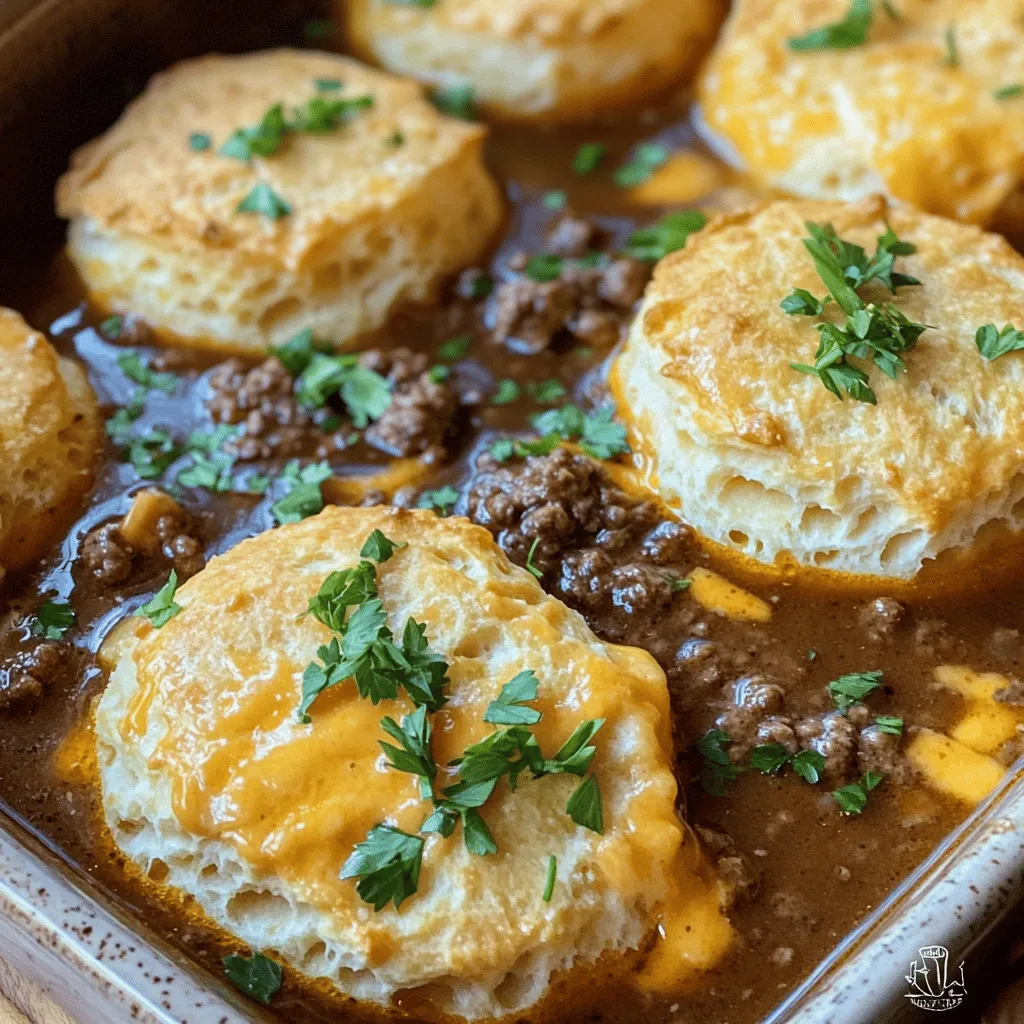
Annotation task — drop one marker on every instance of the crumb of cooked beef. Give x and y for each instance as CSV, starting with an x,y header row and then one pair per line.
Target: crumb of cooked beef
x,y
26,676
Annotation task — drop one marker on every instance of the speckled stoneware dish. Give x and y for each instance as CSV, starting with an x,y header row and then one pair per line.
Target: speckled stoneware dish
x,y
59,84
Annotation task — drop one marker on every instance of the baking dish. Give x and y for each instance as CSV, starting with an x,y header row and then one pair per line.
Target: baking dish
x,y
66,68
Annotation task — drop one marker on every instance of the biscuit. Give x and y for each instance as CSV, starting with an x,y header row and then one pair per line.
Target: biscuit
x,y
919,112
557,60
764,459
50,431
383,208
208,772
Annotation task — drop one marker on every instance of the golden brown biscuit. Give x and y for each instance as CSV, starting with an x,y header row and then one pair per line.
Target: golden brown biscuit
x,y
764,459
207,768
383,207
49,428
925,111
539,59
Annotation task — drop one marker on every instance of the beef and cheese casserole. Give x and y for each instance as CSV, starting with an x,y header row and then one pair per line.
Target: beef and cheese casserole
x,y
460,568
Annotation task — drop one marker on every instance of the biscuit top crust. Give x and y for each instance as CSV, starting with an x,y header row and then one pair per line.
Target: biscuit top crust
x,y
141,177
926,117
948,431
552,21
215,712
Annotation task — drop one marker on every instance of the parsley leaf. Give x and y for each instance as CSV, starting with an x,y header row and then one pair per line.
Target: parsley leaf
x,y
264,200
952,58
263,139
455,348
809,764
151,453
305,497
476,835
257,976
379,547
544,267
993,343
717,770
584,806
456,101
364,392
853,688
555,200
552,877
53,620
588,158
507,391
646,159
161,607
668,235
387,865
890,725
441,500
530,567
321,116
119,426
547,391
508,708
414,756
801,302
598,435
209,472
133,367
769,758
841,35
298,351
853,799
1007,92
112,327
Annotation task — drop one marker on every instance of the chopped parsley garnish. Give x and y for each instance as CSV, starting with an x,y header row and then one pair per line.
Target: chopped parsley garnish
x,y
510,706
771,758
364,649
257,976
853,688
506,391
598,435
53,620
476,835
439,373
881,333
530,567
853,799
414,755
455,348
161,607
505,447
298,351
584,806
544,267
151,453
668,235
209,472
547,391
305,497
552,877
442,500
889,9
199,142
321,116
952,58
379,547
396,139
480,285
262,139
112,327
588,158
681,583
456,101
119,426
646,159
717,770
264,200
327,84
1007,92
841,35
993,343
555,200
364,392
135,369
387,865
413,3
890,725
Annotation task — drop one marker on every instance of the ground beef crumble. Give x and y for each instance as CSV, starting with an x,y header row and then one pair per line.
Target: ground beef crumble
x,y
586,304
25,677
420,420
